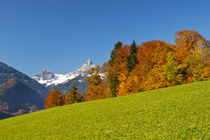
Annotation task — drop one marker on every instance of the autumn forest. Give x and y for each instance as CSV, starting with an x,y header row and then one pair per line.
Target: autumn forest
x,y
137,68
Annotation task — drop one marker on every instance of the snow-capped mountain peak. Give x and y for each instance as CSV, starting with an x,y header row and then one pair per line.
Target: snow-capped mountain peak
x,y
86,66
45,74
48,78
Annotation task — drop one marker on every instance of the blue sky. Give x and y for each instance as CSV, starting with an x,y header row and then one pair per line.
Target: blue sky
x,y
62,34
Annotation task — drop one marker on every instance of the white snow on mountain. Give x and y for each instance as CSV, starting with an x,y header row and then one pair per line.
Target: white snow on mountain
x,y
48,78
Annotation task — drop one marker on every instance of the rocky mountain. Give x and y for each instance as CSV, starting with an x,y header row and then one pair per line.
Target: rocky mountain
x,y
16,97
64,81
7,73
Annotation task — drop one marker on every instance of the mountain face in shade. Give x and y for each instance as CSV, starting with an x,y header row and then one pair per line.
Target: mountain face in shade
x,y
7,73
64,82
16,96
4,115
81,84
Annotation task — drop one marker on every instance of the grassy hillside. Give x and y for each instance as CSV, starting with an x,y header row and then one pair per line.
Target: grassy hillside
x,y
180,112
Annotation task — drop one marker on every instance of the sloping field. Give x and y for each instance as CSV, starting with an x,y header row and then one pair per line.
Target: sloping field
x,y
180,112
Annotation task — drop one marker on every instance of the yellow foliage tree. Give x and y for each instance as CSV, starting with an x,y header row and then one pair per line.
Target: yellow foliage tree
x,y
96,89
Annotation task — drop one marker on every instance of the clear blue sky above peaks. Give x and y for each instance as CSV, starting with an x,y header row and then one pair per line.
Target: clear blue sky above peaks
x,y
61,35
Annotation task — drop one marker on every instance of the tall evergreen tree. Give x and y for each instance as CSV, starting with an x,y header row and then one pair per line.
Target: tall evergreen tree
x,y
73,96
131,58
113,78
113,85
74,92
117,46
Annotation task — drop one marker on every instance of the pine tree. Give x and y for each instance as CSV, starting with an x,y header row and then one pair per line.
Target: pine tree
x,y
74,92
73,96
131,58
113,78
113,85
117,46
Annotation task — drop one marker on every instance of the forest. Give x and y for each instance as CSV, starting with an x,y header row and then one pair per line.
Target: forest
x,y
136,68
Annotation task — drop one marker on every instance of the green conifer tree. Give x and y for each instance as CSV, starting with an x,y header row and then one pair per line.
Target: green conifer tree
x,y
117,46
74,92
71,96
113,79
131,58
113,85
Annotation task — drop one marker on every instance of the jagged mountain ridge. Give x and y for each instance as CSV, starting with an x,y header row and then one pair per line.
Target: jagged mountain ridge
x,y
64,81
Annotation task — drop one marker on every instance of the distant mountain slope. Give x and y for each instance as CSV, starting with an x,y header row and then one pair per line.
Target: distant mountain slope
x,y
179,112
16,96
80,84
64,81
4,115
7,73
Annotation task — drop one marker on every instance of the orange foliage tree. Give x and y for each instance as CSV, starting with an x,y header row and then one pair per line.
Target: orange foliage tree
x,y
151,57
186,41
191,52
118,71
53,99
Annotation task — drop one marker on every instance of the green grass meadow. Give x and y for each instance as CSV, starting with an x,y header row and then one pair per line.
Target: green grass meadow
x,y
179,112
